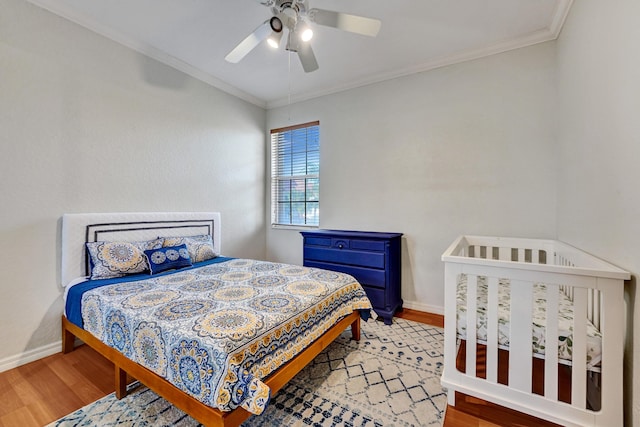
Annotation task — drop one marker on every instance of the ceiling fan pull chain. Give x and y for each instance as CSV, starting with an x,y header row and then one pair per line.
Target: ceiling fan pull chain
x,y
289,95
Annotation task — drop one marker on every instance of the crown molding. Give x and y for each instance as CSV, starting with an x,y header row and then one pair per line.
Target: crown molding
x,y
544,35
85,21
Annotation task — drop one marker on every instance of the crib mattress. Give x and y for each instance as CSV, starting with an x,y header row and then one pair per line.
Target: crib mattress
x,y
565,321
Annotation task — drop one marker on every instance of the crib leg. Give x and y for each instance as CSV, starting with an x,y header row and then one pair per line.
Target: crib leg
x,y
451,397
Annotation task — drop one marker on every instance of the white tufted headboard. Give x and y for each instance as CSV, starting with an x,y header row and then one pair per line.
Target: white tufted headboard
x,y
77,229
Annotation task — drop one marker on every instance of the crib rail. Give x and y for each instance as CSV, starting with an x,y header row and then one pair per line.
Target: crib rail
x,y
546,255
594,287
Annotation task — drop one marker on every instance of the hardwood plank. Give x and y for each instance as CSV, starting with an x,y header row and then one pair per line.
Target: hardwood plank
x,y
50,388
89,363
494,413
68,373
27,402
43,413
457,418
9,399
422,317
24,390
21,416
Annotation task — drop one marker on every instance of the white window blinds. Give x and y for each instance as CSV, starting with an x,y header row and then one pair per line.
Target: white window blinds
x,y
295,179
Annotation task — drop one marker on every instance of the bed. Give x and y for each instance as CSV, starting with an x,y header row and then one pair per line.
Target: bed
x,y
215,336
508,302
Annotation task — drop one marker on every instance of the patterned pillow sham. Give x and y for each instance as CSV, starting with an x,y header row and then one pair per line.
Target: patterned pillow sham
x,y
200,247
168,258
117,259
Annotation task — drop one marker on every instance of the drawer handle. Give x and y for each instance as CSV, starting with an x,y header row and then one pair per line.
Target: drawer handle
x,y
340,246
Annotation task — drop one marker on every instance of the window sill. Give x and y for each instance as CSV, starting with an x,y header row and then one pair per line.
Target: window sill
x,y
293,227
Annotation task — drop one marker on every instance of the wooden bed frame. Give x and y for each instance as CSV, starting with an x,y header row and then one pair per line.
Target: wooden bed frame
x,y
77,229
206,415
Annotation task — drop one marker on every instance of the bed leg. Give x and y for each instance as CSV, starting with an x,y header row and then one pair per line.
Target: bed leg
x,y
121,382
355,329
68,341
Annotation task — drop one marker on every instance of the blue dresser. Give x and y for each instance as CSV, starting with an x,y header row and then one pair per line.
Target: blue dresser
x,y
373,258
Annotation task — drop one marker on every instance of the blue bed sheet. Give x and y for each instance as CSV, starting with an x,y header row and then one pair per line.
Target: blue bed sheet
x,y
73,307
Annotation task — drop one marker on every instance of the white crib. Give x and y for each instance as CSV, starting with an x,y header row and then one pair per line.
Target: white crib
x,y
594,291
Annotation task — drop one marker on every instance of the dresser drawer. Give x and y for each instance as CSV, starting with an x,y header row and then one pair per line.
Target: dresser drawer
x,y
367,245
365,276
318,241
346,243
344,256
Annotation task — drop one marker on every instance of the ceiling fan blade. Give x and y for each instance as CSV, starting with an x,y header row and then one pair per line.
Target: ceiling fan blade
x,y
345,21
307,57
249,43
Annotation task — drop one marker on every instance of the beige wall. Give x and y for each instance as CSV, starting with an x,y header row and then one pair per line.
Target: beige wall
x,y
87,125
599,150
465,149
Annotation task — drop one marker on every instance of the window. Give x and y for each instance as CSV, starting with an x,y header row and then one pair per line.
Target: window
x,y
295,175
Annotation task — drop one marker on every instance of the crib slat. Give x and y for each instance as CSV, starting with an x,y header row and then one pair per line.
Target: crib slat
x,y
612,328
551,344
596,308
590,304
492,330
504,254
452,274
520,336
472,307
579,358
521,255
535,256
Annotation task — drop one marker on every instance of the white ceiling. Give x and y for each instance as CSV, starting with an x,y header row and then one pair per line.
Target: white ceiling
x,y
194,36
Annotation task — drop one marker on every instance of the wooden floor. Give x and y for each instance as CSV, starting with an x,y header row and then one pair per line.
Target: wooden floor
x,y
40,392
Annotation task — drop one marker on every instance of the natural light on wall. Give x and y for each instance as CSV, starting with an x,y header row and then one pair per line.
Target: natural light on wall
x,y
295,175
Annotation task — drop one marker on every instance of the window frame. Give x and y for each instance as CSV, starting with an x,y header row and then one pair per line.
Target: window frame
x,y
277,177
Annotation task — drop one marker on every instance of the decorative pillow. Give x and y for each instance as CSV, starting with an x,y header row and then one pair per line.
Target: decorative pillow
x,y
117,259
200,247
168,258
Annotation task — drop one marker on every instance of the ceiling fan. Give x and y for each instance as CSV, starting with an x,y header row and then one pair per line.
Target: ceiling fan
x,y
296,17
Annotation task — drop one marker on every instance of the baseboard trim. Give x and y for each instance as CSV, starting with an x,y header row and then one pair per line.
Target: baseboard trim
x,y
30,356
422,317
427,308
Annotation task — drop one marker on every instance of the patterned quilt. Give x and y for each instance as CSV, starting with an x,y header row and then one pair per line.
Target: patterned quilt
x,y
216,331
565,321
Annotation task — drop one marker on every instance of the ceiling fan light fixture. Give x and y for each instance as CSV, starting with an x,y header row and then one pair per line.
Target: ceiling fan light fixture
x,y
274,39
276,24
306,33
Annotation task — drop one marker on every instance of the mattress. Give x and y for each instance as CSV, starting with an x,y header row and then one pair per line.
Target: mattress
x,y
217,330
565,321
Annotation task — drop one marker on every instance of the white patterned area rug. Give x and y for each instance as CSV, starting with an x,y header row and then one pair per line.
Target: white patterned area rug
x,y
390,378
